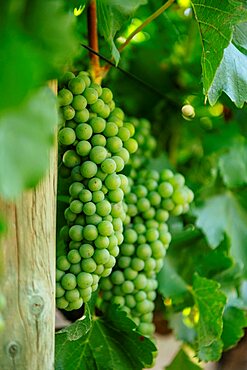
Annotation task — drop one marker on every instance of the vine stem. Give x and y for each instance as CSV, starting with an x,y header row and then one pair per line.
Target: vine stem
x,y
93,41
146,22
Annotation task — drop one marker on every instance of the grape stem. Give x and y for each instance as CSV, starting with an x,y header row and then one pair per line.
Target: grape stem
x,y
140,28
146,22
93,40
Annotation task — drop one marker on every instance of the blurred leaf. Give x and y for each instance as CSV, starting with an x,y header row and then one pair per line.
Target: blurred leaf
x,y
234,321
222,138
111,343
216,23
37,40
182,361
112,15
225,214
180,329
233,166
170,283
210,302
26,137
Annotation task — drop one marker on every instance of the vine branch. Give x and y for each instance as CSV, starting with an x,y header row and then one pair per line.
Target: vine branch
x,y
146,22
93,40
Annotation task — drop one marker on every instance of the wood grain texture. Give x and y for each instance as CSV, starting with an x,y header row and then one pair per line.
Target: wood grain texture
x,y
27,343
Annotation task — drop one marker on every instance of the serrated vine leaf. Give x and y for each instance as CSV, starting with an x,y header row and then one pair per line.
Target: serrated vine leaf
x,y
210,302
182,361
111,343
225,214
112,15
216,21
230,77
234,322
233,166
26,137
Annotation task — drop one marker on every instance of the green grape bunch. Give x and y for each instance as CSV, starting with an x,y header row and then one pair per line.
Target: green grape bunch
x,y
95,144
153,196
152,199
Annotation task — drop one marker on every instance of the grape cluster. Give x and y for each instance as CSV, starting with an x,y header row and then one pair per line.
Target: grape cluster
x,y
152,198
95,145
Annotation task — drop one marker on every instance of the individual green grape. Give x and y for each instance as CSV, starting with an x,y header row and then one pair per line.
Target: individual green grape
x,y
113,181
98,154
75,189
68,112
72,295
98,124
106,95
79,102
131,145
84,280
105,228
67,76
98,196
114,144
76,85
108,166
91,95
103,208
88,169
59,290
66,136
86,250
89,208
76,206
88,265
83,148
90,232
68,281
76,233
63,263
62,303
111,129
74,256
98,140
75,268
71,158
84,131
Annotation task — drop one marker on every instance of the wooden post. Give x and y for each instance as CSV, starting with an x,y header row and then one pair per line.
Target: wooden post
x,y
27,342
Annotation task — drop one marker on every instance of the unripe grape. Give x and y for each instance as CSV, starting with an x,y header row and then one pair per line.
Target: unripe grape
x,y
66,136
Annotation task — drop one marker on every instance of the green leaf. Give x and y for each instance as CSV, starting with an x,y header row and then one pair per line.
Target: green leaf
x,y
112,14
26,137
210,302
234,321
170,283
216,261
111,343
216,21
225,214
182,361
230,77
233,166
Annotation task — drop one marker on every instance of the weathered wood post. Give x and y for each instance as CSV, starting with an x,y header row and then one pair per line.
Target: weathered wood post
x,y
27,343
